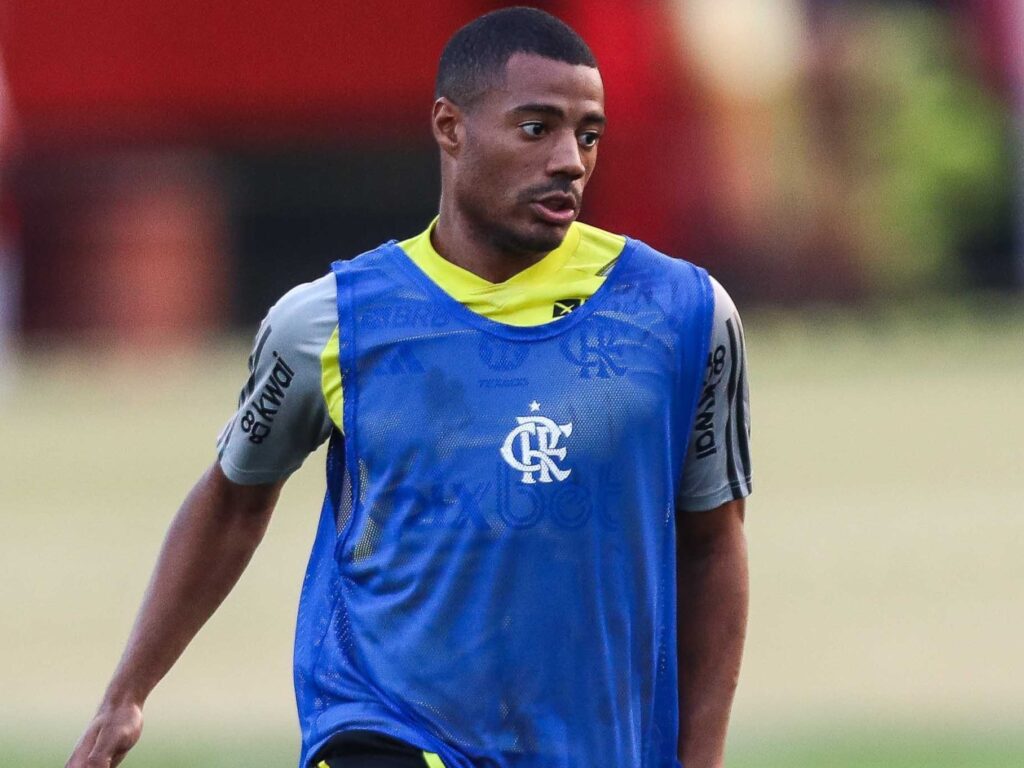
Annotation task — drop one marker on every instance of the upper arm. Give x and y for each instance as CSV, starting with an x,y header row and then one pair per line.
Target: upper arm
x,y
703,533
243,499
282,415
717,468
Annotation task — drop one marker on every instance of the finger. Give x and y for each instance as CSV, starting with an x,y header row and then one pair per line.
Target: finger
x,y
107,742
82,749
96,760
120,754
112,744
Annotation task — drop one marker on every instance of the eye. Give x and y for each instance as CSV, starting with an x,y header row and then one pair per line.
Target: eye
x,y
533,129
589,139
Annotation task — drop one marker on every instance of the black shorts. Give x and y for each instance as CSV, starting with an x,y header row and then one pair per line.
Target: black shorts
x,y
366,749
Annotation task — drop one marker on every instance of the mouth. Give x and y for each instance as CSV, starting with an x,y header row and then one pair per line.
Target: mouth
x,y
557,208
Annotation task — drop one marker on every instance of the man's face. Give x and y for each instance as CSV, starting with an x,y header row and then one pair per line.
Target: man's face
x,y
530,147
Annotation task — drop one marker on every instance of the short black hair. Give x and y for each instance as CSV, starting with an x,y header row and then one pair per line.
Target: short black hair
x,y
474,59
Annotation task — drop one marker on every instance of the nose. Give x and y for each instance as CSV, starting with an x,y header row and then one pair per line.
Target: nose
x,y
566,157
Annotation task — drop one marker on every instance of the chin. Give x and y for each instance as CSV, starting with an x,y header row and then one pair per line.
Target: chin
x,y
539,238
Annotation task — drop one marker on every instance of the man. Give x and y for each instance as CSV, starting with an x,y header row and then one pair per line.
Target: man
x,y
536,429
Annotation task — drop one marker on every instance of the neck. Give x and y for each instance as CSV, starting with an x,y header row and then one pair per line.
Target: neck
x,y
457,240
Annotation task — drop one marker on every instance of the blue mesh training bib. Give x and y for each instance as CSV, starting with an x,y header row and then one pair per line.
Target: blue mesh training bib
x,y
493,577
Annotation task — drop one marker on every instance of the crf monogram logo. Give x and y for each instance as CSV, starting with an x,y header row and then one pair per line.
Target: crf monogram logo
x,y
598,351
532,448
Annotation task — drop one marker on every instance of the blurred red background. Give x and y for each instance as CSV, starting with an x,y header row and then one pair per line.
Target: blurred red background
x,y
192,160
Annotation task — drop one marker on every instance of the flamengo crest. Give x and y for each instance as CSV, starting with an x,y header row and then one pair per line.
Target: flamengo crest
x,y
532,448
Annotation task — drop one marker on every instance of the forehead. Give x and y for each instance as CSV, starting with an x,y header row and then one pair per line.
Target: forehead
x,y
532,79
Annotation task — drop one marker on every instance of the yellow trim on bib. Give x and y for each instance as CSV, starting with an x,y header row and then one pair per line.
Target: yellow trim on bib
x,y
330,380
433,761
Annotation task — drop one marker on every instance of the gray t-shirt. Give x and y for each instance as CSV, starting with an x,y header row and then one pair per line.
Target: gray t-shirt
x,y
283,414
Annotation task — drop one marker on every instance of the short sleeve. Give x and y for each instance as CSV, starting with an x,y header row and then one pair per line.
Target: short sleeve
x,y
282,415
717,468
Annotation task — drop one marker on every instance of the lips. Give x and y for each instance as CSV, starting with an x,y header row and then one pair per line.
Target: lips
x,y
556,208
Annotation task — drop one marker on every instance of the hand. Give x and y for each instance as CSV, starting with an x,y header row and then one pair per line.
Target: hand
x,y
110,735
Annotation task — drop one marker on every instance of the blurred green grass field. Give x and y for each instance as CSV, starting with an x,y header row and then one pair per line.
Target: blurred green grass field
x,y
885,531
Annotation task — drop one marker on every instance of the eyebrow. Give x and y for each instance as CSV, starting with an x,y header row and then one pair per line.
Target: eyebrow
x,y
549,109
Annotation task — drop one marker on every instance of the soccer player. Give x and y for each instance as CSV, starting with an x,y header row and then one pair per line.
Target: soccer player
x,y
531,551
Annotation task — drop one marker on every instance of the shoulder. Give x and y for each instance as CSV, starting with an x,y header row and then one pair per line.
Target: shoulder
x,y
305,315
373,259
725,307
664,266
726,331
305,297
682,289
676,266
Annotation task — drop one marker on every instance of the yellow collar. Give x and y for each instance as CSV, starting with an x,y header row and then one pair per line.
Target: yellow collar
x,y
462,284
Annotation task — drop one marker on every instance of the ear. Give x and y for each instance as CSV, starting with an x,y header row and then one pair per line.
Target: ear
x,y
448,123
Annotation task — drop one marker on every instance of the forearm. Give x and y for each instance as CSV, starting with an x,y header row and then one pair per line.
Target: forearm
x,y
209,543
713,597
